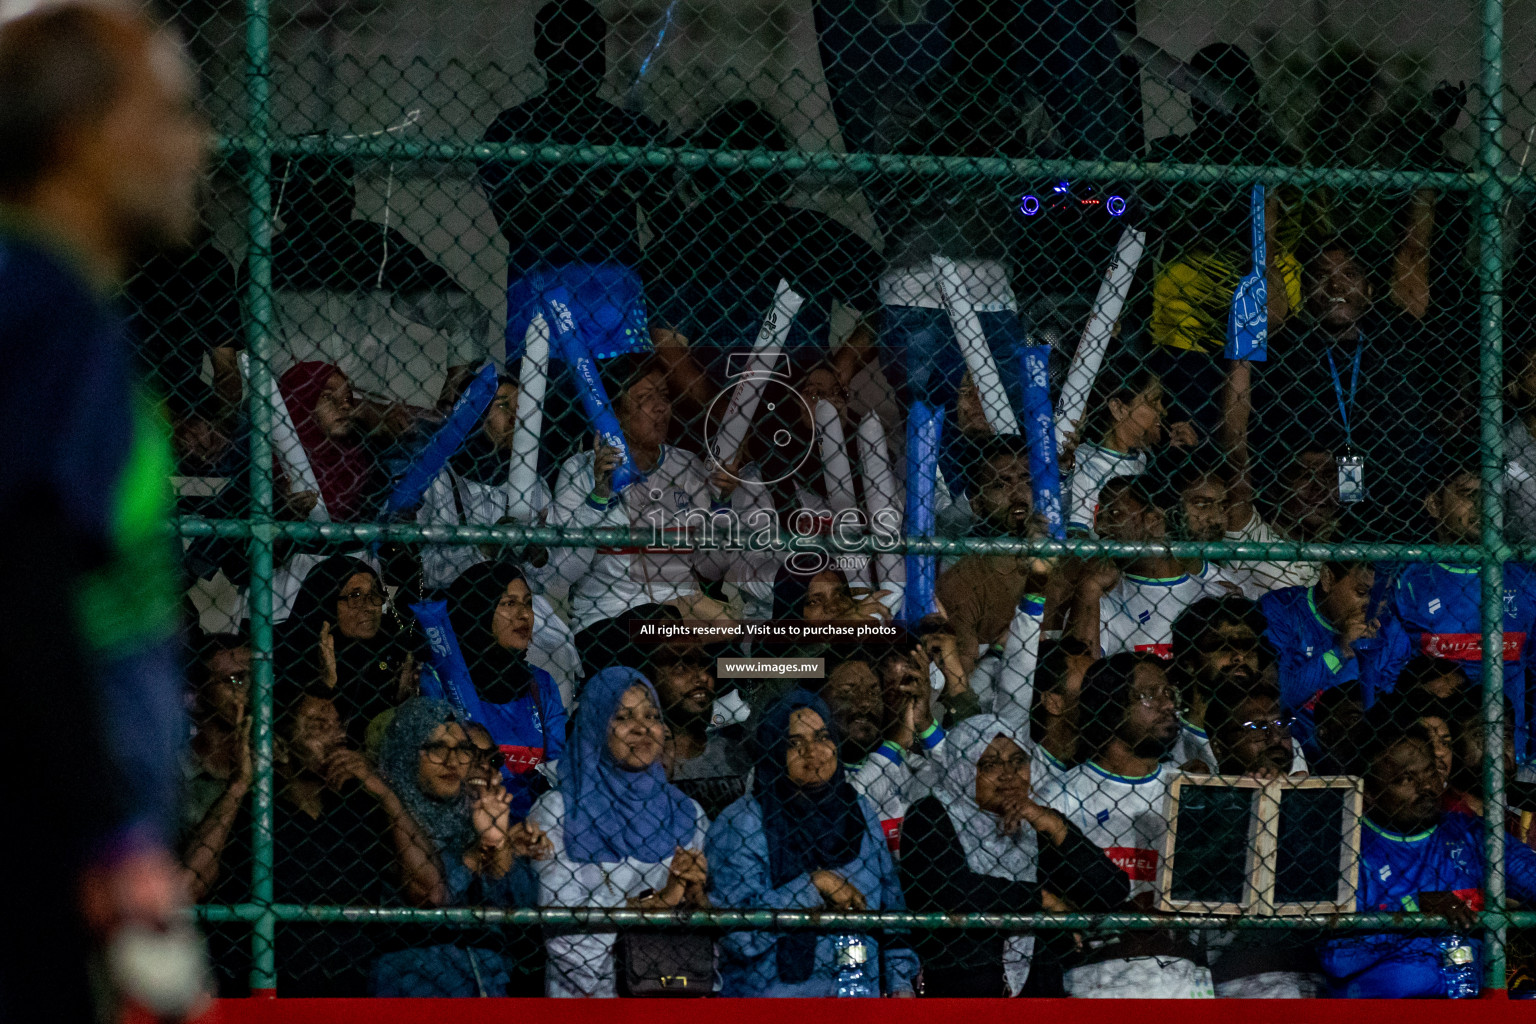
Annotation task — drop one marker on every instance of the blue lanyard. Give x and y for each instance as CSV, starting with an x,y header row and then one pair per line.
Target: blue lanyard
x,y
1338,390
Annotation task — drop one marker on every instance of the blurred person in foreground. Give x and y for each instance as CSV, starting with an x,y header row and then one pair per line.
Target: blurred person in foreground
x,y
100,158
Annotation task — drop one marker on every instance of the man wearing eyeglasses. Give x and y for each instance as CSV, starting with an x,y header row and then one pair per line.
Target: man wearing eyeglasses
x,y
1251,736
1249,733
1216,644
1118,798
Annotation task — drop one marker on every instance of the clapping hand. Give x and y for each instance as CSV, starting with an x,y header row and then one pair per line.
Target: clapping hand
x,y
686,878
529,841
868,604
345,765
491,815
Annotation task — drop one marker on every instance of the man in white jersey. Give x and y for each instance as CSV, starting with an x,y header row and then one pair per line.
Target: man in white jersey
x,y
1053,719
677,502
1306,509
1128,720
1133,609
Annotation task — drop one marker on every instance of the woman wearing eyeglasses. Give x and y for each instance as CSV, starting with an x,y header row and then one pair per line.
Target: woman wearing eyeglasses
x,y
980,844
339,639
430,760
804,840
490,607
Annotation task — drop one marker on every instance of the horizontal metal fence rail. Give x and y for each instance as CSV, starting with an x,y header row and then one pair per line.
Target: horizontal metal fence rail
x,y
562,536
794,162
730,920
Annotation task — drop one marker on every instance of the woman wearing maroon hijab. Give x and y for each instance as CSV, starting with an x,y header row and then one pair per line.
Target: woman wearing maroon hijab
x,y
319,398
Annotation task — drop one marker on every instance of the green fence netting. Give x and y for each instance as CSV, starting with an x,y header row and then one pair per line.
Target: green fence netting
x,y
856,497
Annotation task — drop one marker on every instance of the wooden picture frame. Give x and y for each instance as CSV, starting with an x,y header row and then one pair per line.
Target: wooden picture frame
x,y
1271,883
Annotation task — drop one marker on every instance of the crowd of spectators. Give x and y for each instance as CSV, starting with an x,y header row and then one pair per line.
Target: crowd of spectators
x,y
1009,751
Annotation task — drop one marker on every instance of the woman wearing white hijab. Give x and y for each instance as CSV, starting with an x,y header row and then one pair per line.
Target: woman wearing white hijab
x,y
980,844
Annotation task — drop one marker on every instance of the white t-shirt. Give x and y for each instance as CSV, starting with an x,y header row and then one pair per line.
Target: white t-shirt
x,y
1138,613
1259,578
1094,467
452,500
893,780
1046,771
1126,818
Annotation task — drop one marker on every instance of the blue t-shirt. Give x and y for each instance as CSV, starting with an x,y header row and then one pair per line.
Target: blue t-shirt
x,y
1311,660
1394,870
1438,610
529,731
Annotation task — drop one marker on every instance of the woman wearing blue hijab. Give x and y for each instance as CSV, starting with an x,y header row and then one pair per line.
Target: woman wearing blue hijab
x,y
622,835
803,840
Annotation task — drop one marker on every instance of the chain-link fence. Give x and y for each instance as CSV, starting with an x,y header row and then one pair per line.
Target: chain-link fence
x,y
855,498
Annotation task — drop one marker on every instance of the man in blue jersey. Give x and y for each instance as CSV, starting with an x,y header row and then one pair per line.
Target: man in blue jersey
x,y
1415,858
1324,636
1435,609
100,159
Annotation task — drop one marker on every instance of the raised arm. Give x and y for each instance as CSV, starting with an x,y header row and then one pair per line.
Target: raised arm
x,y
1410,264
205,848
421,877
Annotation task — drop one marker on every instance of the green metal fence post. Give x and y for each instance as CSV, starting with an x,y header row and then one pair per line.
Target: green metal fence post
x,y
1490,329
258,303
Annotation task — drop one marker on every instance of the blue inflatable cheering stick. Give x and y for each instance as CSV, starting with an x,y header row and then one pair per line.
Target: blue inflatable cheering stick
x,y
434,455
449,679
925,428
1248,326
1040,432
565,338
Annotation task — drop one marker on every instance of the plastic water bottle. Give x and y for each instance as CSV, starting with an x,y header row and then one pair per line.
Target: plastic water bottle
x,y
1458,967
854,978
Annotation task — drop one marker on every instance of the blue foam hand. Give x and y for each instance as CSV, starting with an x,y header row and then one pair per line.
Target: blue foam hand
x,y
1040,432
565,338
925,428
1248,326
449,438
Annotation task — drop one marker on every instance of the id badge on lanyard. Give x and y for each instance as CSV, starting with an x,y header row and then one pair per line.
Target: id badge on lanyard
x,y
1351,464
1351,478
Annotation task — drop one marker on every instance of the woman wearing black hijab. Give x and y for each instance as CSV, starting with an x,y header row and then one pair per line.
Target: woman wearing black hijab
x,y
803,840
339,641
821,595
490,607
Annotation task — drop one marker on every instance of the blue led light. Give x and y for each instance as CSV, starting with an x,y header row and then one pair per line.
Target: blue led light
x,y
1062,187
1029,205
1115,205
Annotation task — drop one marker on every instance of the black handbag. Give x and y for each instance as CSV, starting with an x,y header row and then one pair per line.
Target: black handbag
x,y
663,965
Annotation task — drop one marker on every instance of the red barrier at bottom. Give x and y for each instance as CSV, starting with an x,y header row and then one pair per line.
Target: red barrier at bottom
x,y
869,1011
